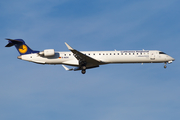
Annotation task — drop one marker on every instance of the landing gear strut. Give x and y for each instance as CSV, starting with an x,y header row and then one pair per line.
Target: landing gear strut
x,y
165,65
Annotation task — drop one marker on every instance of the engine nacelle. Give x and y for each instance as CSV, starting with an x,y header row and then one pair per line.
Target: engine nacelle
x,y
47,53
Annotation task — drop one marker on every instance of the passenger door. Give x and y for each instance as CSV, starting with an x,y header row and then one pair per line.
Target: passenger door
x,y
152,55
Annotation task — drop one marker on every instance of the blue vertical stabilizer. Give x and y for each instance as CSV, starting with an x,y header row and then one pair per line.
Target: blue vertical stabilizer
x,y
21,46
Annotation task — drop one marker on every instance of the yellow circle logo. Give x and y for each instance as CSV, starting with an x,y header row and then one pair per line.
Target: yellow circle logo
x,y
23,49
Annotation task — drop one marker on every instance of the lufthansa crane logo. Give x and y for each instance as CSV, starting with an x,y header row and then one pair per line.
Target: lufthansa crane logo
x,y
23,49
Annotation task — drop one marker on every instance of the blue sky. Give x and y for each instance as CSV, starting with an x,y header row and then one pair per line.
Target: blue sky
x,y
30,91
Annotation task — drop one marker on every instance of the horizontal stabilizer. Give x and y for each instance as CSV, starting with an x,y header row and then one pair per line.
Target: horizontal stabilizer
x,y
12,42
9,45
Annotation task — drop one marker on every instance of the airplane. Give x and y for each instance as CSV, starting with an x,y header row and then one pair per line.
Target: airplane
x,y
83,60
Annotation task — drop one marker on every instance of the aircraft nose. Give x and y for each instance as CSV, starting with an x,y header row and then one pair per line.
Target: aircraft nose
x,y
171,58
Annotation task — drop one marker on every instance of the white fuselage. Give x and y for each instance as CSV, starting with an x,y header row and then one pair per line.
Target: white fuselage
x,y
106,57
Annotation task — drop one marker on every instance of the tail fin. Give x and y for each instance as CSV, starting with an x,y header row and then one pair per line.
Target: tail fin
x,y
21,46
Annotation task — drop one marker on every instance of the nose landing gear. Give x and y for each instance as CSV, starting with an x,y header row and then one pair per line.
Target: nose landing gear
x,y
165,65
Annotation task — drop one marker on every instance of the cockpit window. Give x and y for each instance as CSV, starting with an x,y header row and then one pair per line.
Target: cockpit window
x,y
162,53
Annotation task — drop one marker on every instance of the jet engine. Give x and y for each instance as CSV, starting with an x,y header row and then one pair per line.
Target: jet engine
x,y
47,53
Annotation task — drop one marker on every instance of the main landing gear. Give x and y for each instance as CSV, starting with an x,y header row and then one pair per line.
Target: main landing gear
x,y
83,70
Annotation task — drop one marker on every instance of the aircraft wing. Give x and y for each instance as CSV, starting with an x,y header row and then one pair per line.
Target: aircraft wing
x,y
84,59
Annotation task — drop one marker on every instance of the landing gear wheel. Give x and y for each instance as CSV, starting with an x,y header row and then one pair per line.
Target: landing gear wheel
x,y
165,65
84,67
83,71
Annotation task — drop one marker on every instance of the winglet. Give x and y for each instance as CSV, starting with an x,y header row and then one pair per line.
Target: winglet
x,y
69,47
67,68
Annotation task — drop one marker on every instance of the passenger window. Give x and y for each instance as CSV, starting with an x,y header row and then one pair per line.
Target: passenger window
x,y
118,53
110,53
99,53
114,53
64,54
